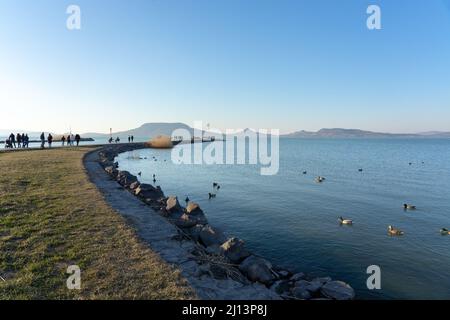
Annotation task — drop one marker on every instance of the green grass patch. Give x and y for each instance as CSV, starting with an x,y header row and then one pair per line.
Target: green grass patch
x,y
52,216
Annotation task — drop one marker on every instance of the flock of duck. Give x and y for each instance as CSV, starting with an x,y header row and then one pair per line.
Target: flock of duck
x,y
320,179
211,195
391,230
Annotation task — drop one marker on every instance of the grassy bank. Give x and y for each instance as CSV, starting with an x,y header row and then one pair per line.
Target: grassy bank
x,y
52,216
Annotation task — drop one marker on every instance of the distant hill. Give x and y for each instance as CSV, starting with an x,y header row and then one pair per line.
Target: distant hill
x,y
149,130
356,133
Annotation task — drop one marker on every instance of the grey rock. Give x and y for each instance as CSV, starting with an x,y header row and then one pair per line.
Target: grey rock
x,y
172,204
147,191
193,208
210,236
312,287
301,293
337,290
283,273
257,269
298,276
135,185
301,284
111,171
125,178
234,249
185,221
280,287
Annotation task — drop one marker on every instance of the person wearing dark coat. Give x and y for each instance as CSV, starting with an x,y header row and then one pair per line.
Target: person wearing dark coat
x,y
77,139
19,140
42,140
12,139
50,140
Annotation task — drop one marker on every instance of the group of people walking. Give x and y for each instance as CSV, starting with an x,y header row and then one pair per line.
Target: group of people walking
x,y
71,140
17,141
22,140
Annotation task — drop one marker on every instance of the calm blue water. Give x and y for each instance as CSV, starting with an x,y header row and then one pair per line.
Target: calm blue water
x,y
292,221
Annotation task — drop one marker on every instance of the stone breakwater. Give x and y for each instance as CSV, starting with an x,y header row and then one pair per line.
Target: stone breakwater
x,y
216,266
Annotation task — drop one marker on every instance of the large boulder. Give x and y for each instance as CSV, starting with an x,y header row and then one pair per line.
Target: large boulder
x,y
125,178
147,191
111,171
210,236
187,221
172,204
337,290
301,293
193,208
193,216
298,276
135,185
312,287
234,249
257,269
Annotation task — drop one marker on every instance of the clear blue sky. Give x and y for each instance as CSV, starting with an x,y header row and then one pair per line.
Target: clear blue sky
x,y
249,63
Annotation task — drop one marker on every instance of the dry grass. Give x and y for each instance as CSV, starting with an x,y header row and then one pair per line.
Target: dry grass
x,y
52,216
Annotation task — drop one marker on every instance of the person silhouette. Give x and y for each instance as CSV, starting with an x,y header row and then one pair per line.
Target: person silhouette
x,y
42,140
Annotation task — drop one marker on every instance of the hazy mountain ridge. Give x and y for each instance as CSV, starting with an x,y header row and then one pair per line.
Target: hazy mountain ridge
x,y
149,130
146,130
357,133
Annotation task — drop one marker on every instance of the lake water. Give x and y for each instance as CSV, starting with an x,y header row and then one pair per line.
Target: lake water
x,y
292,221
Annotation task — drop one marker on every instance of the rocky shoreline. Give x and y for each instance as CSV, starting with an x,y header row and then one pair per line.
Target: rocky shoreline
x,y
216,266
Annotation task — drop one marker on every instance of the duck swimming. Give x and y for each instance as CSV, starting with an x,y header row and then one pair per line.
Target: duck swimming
x,y
445,232
409,207
187,199
211,195
360,170
139,173
320,179
394,232
345,221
